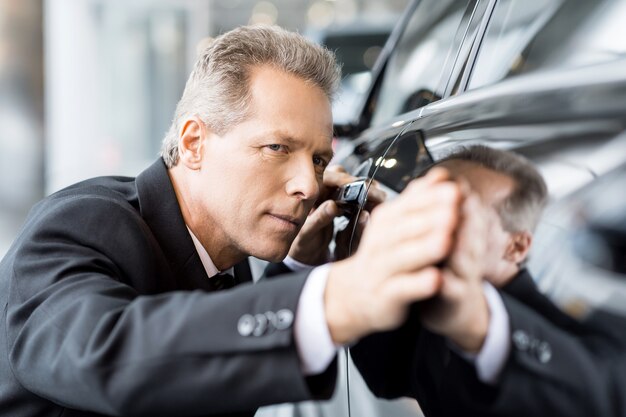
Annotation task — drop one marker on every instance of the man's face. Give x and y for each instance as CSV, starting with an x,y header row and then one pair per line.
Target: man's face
x,y
261,178
492,188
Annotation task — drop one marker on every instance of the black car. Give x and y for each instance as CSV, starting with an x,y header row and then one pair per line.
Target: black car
x,y
543,78
357,46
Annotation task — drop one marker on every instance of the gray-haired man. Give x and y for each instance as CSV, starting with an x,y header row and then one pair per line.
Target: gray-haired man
x,y
110,296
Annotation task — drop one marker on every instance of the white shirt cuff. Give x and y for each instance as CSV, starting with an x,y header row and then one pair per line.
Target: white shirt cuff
x,y
495,351
296,266
313,342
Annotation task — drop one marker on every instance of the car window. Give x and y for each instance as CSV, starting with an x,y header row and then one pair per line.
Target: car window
x,y
530,35
405,159
393,162
414,71
356,50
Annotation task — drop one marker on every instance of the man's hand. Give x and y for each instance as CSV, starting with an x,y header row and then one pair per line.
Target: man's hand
x,y
311,245
372,290
460,310
347,240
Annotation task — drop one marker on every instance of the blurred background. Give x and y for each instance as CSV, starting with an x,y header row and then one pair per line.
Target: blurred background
x,y
89,87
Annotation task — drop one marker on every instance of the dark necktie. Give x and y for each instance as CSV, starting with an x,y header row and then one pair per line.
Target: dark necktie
x,y
222,281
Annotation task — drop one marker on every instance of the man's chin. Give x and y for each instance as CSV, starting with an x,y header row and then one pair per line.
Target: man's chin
x,y
273,255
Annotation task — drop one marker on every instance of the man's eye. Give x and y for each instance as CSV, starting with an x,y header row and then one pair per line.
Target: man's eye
x,y
277,148
319,161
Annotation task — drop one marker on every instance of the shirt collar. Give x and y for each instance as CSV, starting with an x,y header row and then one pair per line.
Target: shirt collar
x,y
207,263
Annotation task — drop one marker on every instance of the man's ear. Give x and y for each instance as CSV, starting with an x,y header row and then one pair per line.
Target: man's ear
x,y
191,142
518,247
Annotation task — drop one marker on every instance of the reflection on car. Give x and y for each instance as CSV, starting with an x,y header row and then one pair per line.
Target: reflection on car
x,y
356,46
543,78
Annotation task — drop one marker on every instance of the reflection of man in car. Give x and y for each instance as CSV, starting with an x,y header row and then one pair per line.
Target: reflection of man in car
x,y
553,366
514,193
420,363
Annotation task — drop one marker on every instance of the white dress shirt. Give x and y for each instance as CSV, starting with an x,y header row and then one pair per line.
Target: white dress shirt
x,y
492,357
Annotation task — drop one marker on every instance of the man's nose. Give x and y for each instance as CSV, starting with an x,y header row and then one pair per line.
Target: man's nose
x,y
304,182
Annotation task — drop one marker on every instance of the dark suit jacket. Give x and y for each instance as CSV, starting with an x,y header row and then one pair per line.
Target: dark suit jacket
x,y
557,367
107,310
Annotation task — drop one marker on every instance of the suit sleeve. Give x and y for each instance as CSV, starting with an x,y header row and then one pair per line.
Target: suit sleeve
x,y
549,372
405,362
84,334
276,269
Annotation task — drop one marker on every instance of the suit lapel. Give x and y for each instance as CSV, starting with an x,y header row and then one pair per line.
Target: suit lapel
x,y
523,288
275,269
160,210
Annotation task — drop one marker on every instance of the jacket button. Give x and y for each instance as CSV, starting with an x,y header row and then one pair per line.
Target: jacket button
x,y
246,325
271,320
521,340
261,325
284,319
544,352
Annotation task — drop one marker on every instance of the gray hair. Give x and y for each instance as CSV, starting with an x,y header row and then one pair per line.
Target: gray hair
x,y
522,208
217,90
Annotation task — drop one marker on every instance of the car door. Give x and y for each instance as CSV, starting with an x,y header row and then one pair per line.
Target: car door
x,y
414,70
546,80
418,60
560,119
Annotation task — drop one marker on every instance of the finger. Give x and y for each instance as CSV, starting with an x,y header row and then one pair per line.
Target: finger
x,y
416,286
336,168
478,218
467,257
443,201
416,254
436,174
464,186
375,195
453,286
420,195
364,218
336,176
321,217
436,221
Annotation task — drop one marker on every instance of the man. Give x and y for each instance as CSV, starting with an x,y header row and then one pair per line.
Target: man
x,y
513,194
111,294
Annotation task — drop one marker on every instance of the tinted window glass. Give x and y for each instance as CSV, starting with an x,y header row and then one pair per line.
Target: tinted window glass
x,y
413,76
356,50
529,35
402,162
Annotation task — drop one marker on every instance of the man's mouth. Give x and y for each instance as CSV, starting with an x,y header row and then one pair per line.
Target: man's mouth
x,y
289,222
